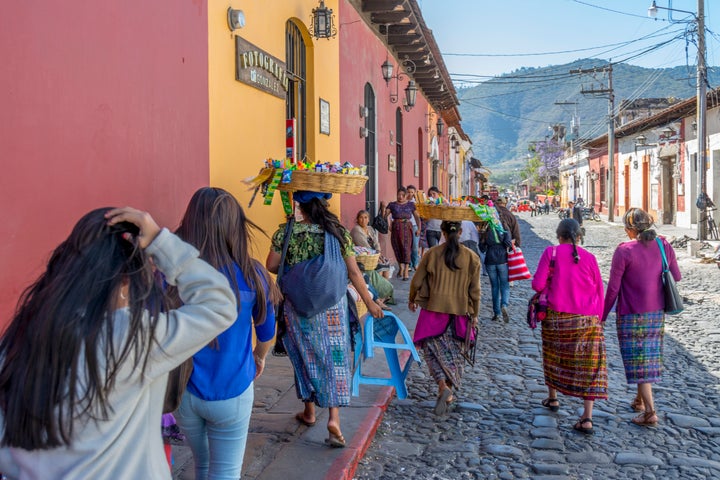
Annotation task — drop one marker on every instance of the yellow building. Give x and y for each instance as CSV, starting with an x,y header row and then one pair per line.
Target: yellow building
x,y
264,68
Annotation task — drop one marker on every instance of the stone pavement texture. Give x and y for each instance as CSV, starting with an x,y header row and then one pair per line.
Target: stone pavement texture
x,y
498,428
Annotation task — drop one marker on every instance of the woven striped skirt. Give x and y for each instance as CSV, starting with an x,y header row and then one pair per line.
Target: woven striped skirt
x,y
574,359
641,345
401,239
443,358
319,350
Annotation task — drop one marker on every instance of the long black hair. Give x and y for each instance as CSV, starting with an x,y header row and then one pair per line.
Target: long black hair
x,y
569,229
316,210
216,225
60,355
452,243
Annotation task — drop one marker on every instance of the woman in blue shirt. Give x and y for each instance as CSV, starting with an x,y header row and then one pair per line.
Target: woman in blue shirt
x,y
215,410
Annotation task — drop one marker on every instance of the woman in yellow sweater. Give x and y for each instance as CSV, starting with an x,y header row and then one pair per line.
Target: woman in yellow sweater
x,y
447,288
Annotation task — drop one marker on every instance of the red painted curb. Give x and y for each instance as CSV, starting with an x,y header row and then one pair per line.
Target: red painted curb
x,y
343,468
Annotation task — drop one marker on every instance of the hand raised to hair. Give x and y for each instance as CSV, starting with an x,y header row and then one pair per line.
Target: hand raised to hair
x,y
145,223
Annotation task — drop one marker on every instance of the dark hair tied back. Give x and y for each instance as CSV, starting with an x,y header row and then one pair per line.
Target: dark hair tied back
x,y
569,229
452,243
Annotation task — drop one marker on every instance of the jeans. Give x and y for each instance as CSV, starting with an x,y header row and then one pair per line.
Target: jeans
x,y
217,433
414,255
500,286
433,237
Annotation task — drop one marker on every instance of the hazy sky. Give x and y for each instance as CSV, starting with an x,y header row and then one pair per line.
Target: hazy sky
x,y
496,36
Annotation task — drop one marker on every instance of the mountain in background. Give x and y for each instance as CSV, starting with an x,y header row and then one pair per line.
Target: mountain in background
x,y
504,115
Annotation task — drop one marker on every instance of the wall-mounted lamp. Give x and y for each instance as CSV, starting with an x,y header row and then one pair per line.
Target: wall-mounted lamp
x,y
235,19
694,126
640,140
410,91
593,176
440,127
321,22
668,132
364,132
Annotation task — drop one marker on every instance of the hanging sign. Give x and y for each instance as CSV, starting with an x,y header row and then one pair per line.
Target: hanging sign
x,y
259,69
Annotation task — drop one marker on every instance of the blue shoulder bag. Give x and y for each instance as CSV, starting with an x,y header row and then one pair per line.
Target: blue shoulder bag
x,y
317,284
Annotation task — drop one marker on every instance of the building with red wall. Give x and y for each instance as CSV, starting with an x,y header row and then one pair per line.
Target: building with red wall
x,y
396,142
92,117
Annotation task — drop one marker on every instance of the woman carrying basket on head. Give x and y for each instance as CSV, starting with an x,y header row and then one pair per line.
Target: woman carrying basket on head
x,y
447,288
318,343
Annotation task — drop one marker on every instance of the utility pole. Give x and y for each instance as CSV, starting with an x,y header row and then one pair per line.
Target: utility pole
x,y
608,92
701,110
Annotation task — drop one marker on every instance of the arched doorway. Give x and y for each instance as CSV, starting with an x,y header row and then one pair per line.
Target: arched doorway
x,y
296,104
370,151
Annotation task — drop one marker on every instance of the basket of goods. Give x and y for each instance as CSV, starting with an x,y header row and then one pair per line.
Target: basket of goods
x,y
324,181
452,209
366,257
287,176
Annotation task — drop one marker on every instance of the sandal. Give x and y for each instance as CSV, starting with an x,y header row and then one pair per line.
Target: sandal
x,y
335,439
300,417
443,400
548,402
638,405
579,426
645,419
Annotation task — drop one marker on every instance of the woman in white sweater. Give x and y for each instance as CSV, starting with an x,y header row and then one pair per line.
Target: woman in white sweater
x,y
86,356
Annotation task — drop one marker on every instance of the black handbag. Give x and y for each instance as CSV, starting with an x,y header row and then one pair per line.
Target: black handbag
x,y
379,223
673,299
279,347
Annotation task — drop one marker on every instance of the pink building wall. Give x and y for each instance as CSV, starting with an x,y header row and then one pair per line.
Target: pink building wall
x,y
361,55
103,103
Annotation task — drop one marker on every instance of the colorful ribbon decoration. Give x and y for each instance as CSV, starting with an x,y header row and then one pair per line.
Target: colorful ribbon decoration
x,y
272,186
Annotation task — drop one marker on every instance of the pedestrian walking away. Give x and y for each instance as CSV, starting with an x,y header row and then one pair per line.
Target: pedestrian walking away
x,y
635,284
318,344
433,232
494,243
447,288
573,343
214,414
87,360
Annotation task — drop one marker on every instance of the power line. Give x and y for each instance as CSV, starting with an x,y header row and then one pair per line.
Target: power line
x,y
560,52
614,11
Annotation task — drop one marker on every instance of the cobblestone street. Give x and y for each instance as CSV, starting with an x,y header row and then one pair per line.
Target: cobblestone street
x,y
498,429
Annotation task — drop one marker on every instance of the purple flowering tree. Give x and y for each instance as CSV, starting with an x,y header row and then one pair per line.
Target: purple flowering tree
x,y
546,160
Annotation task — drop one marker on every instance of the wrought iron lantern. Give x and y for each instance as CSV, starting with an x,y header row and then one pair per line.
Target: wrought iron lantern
x,y
322,24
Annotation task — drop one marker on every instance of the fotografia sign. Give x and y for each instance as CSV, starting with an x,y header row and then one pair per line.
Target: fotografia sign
x,y
259,69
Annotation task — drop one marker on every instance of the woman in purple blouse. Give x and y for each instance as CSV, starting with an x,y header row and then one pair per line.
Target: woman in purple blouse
x,y
401,231
636,283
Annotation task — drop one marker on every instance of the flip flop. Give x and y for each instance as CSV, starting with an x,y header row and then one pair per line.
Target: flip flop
x,y
300,417
335,439
441,405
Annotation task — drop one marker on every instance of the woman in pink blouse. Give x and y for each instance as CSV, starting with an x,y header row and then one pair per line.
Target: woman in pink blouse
x,y
573,342
635,282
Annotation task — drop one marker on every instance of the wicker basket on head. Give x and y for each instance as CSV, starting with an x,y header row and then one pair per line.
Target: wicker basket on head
x,y
368,261
324,182
446,212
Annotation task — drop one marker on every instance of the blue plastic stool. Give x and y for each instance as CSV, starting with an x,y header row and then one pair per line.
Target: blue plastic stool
x,y
382,333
